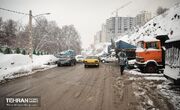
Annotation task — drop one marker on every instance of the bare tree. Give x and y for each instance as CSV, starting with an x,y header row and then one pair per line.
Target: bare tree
x,y
47,36
8,32
72,38
22,39
161,10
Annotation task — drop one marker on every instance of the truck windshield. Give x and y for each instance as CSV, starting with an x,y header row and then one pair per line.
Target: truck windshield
x,y
151,45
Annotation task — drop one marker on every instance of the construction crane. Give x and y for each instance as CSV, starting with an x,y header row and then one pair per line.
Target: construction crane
x,y
116,11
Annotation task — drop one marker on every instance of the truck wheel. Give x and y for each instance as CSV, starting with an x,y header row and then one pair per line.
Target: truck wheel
x,y
151,68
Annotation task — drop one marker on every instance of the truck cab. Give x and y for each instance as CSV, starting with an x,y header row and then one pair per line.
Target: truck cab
x,y
149,57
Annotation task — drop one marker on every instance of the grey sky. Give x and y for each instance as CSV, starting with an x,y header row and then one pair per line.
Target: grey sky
x,y
86,15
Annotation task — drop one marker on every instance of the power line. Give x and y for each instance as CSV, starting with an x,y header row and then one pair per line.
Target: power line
x,y
17,12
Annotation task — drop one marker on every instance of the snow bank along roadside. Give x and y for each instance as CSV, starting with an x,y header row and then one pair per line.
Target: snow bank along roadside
x,y
156,82
17,65
146,76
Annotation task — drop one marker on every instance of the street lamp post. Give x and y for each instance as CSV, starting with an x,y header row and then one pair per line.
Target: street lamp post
x,y
30,36
30,52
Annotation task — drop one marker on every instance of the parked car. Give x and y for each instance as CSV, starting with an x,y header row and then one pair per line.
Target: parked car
x,y
110,59
131,63
103,57
79,58
91,61
66,58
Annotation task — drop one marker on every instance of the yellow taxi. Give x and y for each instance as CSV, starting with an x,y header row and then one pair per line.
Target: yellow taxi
x,y
91,61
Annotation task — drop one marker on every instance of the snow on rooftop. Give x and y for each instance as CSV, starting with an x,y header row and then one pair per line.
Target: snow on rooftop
x,y
123,38
174,38
148,39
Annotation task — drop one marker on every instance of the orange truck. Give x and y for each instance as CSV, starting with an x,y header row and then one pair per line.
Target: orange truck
x,y
150,54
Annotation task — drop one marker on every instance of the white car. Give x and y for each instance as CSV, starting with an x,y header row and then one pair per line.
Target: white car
x,y
110,59
131,63
79,58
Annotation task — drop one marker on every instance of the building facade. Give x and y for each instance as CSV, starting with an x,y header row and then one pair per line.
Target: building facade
x,y
117,26
142,18
97,37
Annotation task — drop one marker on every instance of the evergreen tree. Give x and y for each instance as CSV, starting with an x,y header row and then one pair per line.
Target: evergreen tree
x,y
1,51
24,52
18,50
34,52
7,51
38,53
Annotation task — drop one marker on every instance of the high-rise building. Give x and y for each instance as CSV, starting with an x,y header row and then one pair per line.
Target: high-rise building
x,y
117,26
101,36
103,33
142,18
97,37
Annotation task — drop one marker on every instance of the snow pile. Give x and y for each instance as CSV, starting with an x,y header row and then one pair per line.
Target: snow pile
x,y
101,48
13,64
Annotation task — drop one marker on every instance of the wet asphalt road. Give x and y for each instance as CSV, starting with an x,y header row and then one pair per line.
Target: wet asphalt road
x,y
79,88
66,88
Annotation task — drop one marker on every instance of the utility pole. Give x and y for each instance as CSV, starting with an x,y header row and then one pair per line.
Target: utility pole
x,y
30,36
30,45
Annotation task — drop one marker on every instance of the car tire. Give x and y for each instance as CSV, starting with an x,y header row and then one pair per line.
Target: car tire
x,y
59,65
71,63
85,66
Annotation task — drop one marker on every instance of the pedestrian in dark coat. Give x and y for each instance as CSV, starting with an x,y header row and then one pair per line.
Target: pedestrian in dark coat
x,y
122,58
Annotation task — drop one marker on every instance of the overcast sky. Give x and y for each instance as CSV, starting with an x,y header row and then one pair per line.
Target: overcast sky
x,y
86,15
